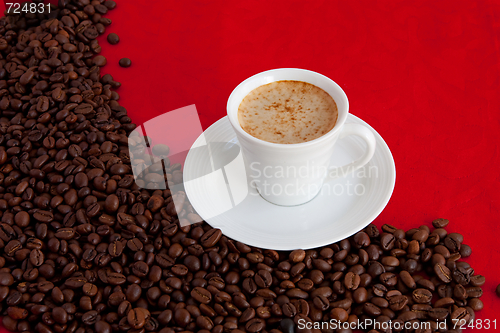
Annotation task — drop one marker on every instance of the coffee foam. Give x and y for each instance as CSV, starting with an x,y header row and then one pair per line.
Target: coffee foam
x,y
287,112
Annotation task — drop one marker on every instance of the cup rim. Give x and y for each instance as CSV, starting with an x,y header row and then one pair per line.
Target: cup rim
x,y
237,127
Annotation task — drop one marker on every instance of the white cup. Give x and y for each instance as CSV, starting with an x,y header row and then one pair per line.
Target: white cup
x,y
293,174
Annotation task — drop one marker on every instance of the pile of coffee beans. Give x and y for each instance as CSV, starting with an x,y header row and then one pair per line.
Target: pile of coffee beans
x,y
84,249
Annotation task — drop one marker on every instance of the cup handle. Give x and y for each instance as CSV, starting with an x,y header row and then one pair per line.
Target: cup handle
x,y
365,134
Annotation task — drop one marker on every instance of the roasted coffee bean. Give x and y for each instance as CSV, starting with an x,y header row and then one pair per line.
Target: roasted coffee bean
x,y
17,313
305,284
255,325
201,295
322,303
360,295
296,293
389,228
125,62
37,257
263,279
462,275
443,273
465,251
476,304
422,296
474,291
43,216
440,223
426,284
444,302
289,310
137,317
438,313
407,279
351,281
113,38
388,279
387,241
460,315
459,292
397,302
371,309
99,61
210,238
453,242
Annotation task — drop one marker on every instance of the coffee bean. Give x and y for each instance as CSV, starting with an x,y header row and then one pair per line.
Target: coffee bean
x,y
289,310
90,317
287,325
297,255
440,223
460,315
22,219
60,315
390,261
305,284
462,275
407,279
125,62
422,296
443,273
17,313
37,257
351,281
113,38
140,269
211,238
43,216
375,268
136,318
388,279
453,242
476,304
164,260
322,303
438,313
371,309
387,241
204,322
465,251
361,239
444,302
99,61
263,279
296,293
474,291
389,228
255,325
115,248
201,295
459,292
397,302
115,278
65,233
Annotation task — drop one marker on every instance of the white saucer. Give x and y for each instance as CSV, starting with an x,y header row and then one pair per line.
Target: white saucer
x,y
333,215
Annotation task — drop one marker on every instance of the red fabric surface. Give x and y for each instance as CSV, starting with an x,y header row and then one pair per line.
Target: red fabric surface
x,y
424,74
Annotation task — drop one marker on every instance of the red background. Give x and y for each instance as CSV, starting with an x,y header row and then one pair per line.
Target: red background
x,y
424,74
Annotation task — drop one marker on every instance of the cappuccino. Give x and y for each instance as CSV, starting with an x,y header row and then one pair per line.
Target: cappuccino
x,y
287,112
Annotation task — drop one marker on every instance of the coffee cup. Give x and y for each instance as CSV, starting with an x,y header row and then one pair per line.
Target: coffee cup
x,y
293,174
